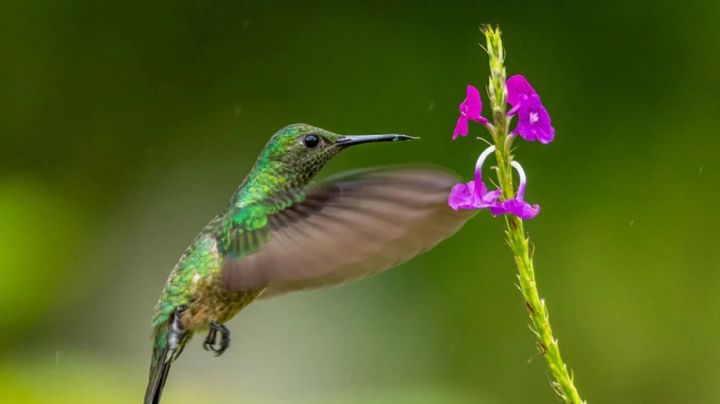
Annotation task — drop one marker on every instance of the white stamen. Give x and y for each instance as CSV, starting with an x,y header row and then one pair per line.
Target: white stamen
x,y
523,180
481,160
534,117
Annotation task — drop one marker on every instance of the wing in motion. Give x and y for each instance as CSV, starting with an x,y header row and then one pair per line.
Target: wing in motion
x,y
347,227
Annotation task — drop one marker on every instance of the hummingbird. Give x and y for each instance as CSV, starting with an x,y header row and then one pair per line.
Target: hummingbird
x,y
283,232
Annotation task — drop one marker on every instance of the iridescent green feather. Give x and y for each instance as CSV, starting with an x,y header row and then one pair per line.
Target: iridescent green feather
x,y
245,229
238,232
199,260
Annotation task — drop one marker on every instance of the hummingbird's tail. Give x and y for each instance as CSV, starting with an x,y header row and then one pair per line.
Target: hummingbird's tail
x,y
169,339
159,365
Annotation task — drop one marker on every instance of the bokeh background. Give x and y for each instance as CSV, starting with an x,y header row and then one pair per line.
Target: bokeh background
x,y
125,126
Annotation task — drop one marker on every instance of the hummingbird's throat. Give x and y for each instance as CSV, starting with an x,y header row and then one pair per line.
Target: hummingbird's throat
x,y
275,182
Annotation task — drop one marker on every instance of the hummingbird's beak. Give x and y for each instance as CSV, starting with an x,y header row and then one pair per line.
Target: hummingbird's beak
x,y
346,141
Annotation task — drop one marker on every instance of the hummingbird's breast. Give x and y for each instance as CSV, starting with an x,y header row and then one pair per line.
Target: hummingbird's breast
x,y
196,283
212,302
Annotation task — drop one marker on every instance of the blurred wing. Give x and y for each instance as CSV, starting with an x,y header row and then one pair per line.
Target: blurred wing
x,y
348,227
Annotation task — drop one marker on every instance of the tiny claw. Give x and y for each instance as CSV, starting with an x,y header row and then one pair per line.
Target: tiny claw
x,y
211,341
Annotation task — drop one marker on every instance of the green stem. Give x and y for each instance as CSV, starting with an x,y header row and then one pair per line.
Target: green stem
x,y
515,233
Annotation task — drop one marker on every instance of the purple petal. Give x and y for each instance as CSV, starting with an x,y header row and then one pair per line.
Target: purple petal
x,y
498,209
483,198
470,110
534,121
481,120
546,132
461,127
518,87
467,196
471,107
517,207
460,197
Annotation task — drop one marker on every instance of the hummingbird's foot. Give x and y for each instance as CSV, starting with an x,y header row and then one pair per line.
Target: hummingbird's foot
x,y
211,341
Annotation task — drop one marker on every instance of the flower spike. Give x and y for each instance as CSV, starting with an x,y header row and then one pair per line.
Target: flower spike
x,y
516,97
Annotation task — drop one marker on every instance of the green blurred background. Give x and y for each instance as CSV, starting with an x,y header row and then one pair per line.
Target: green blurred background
x,y
124,127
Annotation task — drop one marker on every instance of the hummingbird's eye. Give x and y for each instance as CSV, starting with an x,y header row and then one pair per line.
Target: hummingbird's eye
x,y
311,141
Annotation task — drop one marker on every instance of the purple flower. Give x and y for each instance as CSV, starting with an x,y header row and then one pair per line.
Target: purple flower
x,y
533,118
470,110
467,196
474,194
517,205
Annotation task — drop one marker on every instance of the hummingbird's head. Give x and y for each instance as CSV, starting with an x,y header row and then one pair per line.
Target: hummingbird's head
x,y
304,149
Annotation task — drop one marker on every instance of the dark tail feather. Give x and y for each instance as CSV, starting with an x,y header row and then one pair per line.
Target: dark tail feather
x,y
157,382
159,366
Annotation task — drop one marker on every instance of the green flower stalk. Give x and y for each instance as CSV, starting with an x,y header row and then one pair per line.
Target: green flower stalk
x,y
533,124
